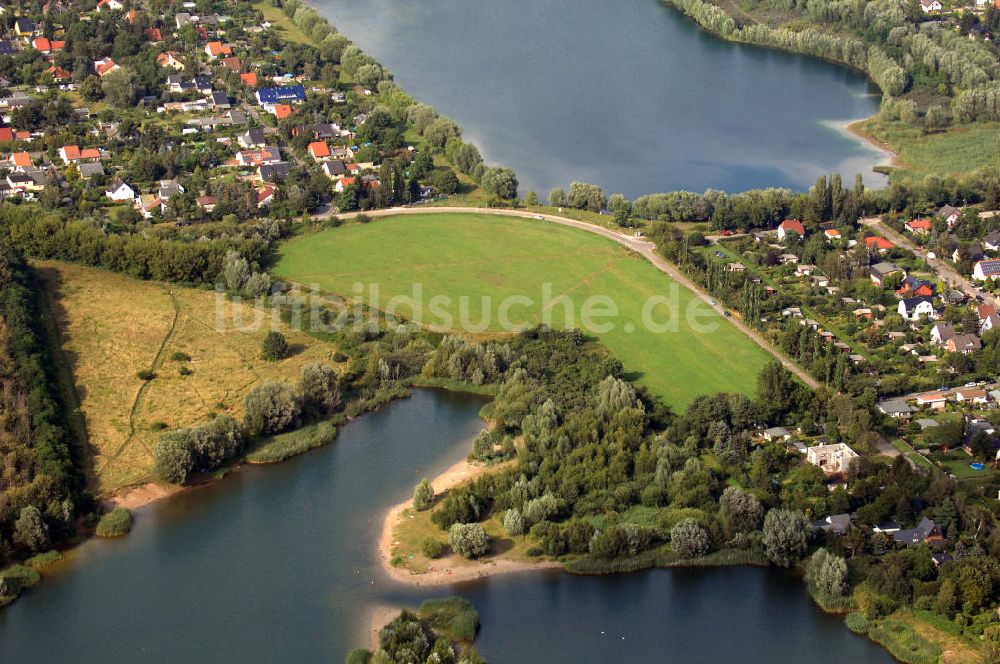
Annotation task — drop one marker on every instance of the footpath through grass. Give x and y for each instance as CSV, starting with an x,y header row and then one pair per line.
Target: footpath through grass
x,y
472,272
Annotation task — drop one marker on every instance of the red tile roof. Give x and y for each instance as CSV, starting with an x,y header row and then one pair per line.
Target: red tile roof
x,y
22,159
879,242
319,149
249,79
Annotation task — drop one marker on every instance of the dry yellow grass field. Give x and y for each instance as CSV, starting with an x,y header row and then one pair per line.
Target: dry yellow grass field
x,y
113,326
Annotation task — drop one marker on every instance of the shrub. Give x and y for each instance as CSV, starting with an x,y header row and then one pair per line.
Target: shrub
x,y
115,523
274,347
319,388
178,356
469,540
30,531
513,523
423,495
145,374
272,407
432,547
688,539
173,460
785,533
453,617
184,371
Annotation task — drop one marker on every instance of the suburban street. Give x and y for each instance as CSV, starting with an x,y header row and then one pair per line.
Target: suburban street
x,y
945,272
641,246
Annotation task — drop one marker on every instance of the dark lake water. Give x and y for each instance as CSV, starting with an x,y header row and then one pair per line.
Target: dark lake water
x,y
628,94
277,564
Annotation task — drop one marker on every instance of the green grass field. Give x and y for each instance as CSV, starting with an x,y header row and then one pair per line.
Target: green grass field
x,y
477,256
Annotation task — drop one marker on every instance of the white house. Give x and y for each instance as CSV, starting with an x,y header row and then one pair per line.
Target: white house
x,y
929,6
119,191
833,459
915,308
988,269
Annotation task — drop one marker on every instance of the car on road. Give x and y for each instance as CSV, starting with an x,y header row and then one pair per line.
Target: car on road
x,y
538,216
711,301
719,254
726,233
971,384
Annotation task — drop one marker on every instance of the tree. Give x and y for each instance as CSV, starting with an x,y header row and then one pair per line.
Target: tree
x,y
513,522
423,495
557,197
120,88
272,407
688,539
319,388
368,75
540,509
827,573
30,530
500,182
531,199
741,511
173,457
775,387
586,196
469,540
785,533
275,346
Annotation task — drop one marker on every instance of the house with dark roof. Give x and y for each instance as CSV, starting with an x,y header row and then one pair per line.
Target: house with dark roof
x,y
274,173
949,214
915,308
835,523
880,271
283,95
895,408
926,532
984,270
963,343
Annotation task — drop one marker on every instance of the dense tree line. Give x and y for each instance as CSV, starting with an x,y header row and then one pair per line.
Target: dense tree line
x,y
41,481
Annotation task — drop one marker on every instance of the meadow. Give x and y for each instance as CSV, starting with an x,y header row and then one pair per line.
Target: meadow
x,y
461,271
113,327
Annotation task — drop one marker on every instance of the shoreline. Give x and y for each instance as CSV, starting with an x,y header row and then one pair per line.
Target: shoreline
x,y
136,497
444,575
853,127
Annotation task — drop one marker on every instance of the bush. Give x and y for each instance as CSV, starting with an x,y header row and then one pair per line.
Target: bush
x,y
453,617
469,540
43,560
178,356
173,459
513,523
17,578
145,374
272,407
274,347
688,539
432,547
115,523
30,530
423,495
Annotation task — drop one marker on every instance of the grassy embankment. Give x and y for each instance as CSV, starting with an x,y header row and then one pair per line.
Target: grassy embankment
x,y
481,256
113,327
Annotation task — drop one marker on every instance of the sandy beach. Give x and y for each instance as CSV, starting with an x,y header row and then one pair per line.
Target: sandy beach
x,y
853,127
139,496
450,569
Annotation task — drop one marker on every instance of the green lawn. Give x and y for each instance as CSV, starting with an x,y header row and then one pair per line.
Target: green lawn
x,y
454,255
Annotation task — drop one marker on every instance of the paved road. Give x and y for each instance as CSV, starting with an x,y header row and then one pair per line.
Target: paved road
x,y
642,246
941,267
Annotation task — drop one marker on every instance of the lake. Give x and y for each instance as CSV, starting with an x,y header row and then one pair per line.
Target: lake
x,y
278,564
630,94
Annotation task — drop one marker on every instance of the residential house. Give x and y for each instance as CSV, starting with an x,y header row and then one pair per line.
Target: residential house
x,y
249,79
833,459
220,101
835,523
895,408
217,49
963,343
203,84
334,169
791,226
89,170
20,160
926,531
319,150
153,35
776,434
931,6
148,205
915,308
119,191
992,240
232,63
256,157
206,203
281,111
949,214
289,94
832,234
109,6
24,27
988,269
971,253
880,271
73,153
169,188
992,322
984,311
170,59
971,395
935,399
941,333
274,173
919,226
105,66
913,287
878,243
252,138
265,195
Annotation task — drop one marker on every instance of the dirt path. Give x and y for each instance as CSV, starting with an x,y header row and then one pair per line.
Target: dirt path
x,y
641,246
